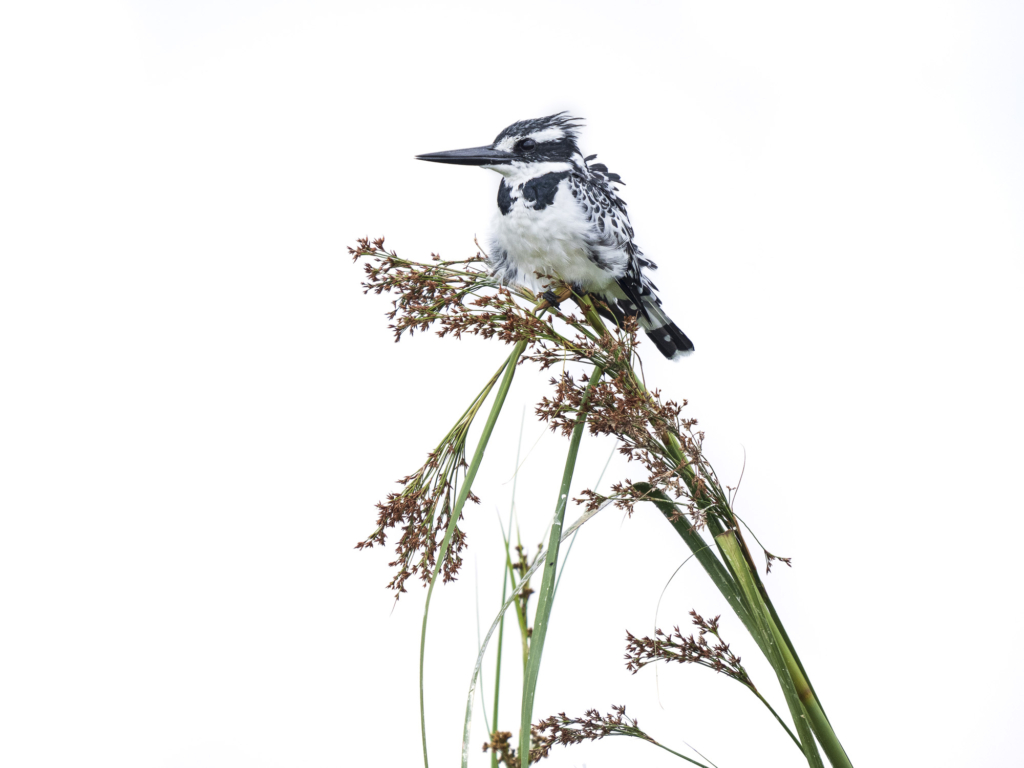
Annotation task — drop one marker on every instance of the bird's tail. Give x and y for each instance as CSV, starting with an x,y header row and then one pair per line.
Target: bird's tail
x,y
670,341
658,326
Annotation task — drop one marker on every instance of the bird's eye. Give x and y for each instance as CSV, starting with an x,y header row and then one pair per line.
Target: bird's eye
x,y
526,145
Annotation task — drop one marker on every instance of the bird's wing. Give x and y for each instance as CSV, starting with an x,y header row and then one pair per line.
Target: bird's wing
x,y
612,236
604,210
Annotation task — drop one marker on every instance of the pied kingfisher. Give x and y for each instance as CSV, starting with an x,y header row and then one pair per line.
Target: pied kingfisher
x,y
560,216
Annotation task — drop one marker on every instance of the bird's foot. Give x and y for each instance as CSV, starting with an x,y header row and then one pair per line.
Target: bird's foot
x,y
551,298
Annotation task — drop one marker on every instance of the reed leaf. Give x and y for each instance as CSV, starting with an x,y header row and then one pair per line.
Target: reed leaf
x,y
497,620
547,587
478,455
734,555
705,555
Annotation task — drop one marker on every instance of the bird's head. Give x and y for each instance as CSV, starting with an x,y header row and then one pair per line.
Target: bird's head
x,y
527,145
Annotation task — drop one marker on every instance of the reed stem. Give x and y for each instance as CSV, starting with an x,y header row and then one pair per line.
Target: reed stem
x,y
478,455
546,593
733,553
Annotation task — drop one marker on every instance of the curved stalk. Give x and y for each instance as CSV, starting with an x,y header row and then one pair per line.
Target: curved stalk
x,y
759,616
733,553
519,585
703,552
547,587
830,744
492,418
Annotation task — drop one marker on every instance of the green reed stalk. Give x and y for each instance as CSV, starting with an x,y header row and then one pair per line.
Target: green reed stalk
x,y
497,665
520,611
815,716
547,587
703,552
731,549
785,637
520,584
718,574
820,724
504,585
492,418
731,568
760,617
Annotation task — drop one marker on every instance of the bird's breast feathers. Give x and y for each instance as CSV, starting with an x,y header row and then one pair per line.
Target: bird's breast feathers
x,y
540,227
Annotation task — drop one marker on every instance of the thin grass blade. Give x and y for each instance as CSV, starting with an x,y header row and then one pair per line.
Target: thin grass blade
x,y
546,593
497,620
492,418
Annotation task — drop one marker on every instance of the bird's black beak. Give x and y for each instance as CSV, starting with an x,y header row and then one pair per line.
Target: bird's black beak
x,y
472,156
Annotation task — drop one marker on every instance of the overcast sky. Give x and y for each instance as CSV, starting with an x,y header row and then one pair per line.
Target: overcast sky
x,y
200,407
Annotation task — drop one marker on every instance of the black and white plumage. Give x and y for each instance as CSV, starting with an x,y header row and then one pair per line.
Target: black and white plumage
x,y
560,216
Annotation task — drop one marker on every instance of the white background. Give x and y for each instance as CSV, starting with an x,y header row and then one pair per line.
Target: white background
x,y
200,407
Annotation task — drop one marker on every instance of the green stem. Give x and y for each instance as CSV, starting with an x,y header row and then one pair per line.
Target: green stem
x,y
492,418
497,665
785,636
703,552
819,723
524,629
504,586
511,575
519,585
761,618
547,587
782,722
830,744
733,553
687,759
715,571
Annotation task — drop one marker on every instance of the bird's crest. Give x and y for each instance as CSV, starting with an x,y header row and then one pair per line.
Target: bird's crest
x,y
555,134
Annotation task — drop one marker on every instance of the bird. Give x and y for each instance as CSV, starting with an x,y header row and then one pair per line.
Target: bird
x,y
560,216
